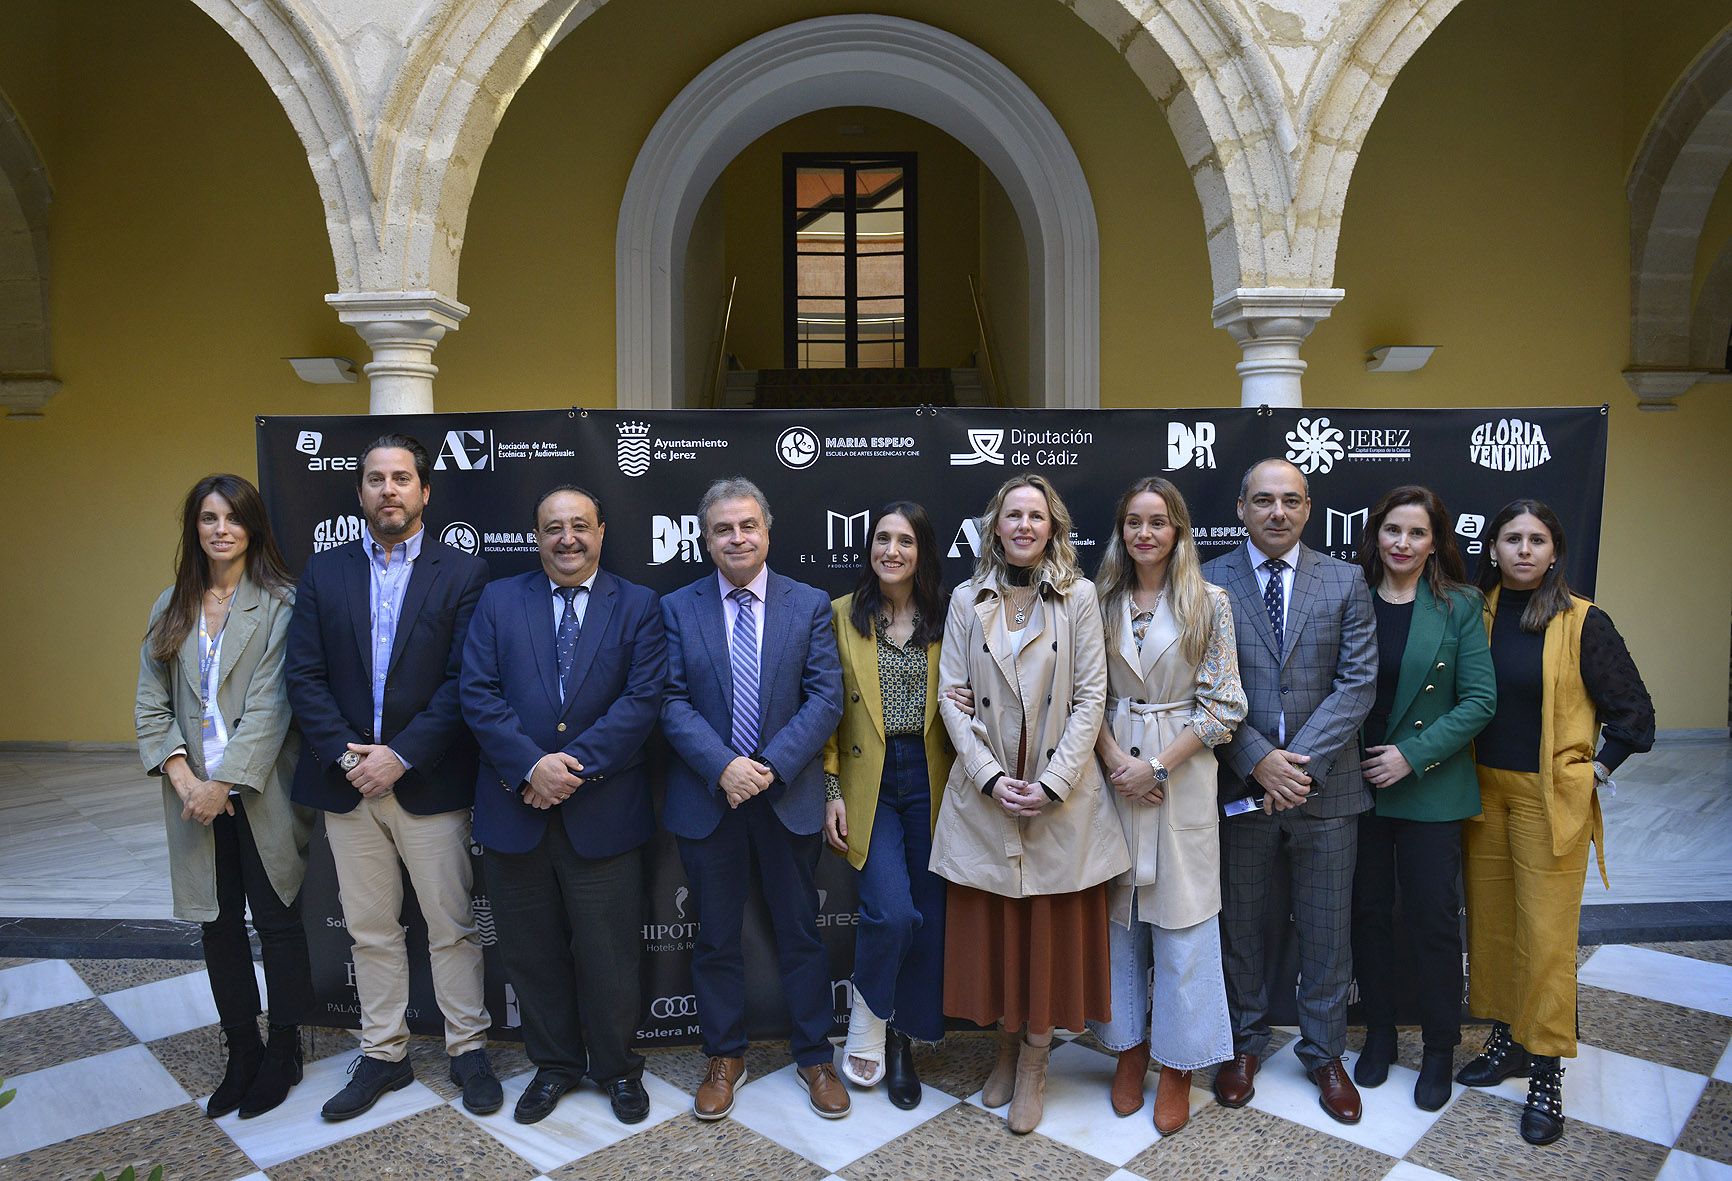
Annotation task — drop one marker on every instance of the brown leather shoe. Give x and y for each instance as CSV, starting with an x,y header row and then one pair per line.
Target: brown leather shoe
x,y
1128,1079
1233,1080
829,1098
715,1097
1335,1091
1172,1100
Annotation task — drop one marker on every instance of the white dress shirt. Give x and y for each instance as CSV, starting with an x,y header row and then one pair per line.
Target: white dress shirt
x,y
759,586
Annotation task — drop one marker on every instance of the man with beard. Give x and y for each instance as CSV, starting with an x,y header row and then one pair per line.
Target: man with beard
x,y
372,662
562,681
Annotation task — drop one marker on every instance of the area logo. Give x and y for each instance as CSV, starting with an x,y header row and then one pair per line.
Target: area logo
x,y
1314,446
1469,526
798,448
466,451
985,446
674,538
461,535
1509,445
1190,446
633,451
309,442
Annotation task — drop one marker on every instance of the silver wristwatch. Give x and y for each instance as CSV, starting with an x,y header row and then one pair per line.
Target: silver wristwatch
x,y
348,760
1160,770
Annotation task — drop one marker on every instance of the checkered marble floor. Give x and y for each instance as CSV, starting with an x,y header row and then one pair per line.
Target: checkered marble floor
x,y
111,1060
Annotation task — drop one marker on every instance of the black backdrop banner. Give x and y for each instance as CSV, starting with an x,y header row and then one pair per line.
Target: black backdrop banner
x,y
824,471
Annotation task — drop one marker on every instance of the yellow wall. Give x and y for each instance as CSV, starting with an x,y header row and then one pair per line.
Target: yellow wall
x,y
1486,216
1004,278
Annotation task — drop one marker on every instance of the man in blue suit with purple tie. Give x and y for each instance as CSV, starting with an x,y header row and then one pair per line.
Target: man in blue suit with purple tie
x,y
754,689
562,681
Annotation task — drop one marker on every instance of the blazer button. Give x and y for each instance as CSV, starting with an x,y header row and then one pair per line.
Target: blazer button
x,y
1429,688
1140,701
1136,752
853,697
562,727
856,752
1419,725
1440,664
1055,645
1050,751
986,648
986,703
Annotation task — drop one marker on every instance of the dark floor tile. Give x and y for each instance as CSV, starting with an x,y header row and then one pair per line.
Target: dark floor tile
x,y
965,1141
1218,1145
14,961
958,1065
692,1150
105,976
1478,1136
49,1037
180,1139
684,1066
1718,951
432,1065
437,1143
1709,1130
1672,1035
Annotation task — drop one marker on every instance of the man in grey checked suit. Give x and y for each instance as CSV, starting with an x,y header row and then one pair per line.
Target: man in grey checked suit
x,y
1308,658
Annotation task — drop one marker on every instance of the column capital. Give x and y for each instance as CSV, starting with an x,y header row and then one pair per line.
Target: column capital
x,y
402,328
22,398
1660,388
1269,324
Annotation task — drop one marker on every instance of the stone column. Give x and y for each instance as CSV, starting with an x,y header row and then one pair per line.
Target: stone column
x,y
402,328
1659,389
1270,323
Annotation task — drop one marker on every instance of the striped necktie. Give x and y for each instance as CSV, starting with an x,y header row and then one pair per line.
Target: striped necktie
x,y
743,655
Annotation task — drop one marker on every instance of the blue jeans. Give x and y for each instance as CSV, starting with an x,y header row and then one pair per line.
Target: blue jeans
x,y
1185,1019
899,951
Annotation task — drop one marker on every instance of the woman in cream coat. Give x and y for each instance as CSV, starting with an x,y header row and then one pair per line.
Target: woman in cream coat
x,y
1174,692
1026,836
212,716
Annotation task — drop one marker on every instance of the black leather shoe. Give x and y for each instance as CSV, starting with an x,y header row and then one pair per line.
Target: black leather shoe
x,y
1501,1059
630,1101
539,1098
372,1077
1543,1117
1371,1068
245,1052
280,1070
1431,1091
482,1093
901,1083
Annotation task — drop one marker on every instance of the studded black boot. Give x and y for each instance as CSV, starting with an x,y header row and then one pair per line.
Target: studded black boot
x,y
1543,1117
1501,1059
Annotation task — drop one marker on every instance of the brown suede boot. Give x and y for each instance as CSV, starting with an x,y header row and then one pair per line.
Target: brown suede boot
x,y
1002,1081
1172,1100
1128,1080
1029,1102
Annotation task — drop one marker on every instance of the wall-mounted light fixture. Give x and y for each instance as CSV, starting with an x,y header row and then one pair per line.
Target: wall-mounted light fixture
x,y
324,370
1399,358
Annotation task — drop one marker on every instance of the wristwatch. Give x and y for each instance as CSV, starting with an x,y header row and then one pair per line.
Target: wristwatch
x,y
1160,770
348,760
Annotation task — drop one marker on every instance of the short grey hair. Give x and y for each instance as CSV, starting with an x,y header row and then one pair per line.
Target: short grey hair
x,y
1245,480
732,488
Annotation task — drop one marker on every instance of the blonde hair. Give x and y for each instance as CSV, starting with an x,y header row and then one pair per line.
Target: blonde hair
x,y
1058,565
1116,576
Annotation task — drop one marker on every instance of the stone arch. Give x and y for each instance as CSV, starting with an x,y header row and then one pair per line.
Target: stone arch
x,y
1711,323
1677,170
874,61
26,197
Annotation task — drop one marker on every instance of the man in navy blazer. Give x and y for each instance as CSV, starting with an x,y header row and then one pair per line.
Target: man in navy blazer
x,y
371,664
754,689
562,682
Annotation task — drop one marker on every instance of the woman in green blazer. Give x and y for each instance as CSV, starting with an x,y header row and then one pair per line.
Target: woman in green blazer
x,y
884,772
1436,689
212,716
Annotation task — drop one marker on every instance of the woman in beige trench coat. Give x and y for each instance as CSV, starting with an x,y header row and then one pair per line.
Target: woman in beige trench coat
x,y
1173,693
1025,834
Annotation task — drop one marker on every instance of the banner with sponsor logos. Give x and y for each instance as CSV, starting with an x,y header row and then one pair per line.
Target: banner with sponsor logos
x,y
823,472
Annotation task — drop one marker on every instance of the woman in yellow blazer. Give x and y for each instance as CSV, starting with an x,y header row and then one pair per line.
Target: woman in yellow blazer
x,y
212,716
1563,676
884,774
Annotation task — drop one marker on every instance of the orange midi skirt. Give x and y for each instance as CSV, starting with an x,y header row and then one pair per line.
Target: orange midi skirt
x,y
1040,961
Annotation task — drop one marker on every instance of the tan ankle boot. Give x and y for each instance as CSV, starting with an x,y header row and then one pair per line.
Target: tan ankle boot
x,y
1128,1079
1002,1081
1029,1102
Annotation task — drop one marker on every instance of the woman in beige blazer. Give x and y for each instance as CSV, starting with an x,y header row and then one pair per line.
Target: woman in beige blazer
x,y
212,716
884,772
1173,692
1026,836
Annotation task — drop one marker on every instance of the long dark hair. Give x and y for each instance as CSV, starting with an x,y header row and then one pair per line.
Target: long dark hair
x,y
264,562
928,577
1552,596
1444,570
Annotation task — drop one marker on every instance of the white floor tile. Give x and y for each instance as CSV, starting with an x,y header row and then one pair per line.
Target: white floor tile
x,y
167,1007
1408,1171
1677,979
1391,1123
1623,1093
76,1098
254,1176
295,1129
776,1106
46,984
1681,1166
582,1123
1123,1175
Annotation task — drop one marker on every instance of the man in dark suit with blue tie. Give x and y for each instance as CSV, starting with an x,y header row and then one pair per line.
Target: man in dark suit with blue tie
x,y
562,682
371,664
754,689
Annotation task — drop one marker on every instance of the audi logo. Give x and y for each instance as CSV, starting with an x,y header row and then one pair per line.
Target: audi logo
x,y
665,1007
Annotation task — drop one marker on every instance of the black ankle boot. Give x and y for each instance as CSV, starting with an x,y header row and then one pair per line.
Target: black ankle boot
x,y
1501,1059
900,1080
244,1054
1431,1091
1372,1066
1543,1117
279,1070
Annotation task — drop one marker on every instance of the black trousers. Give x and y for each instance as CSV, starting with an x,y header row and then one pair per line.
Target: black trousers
x,y
241,883
570,935
1423,857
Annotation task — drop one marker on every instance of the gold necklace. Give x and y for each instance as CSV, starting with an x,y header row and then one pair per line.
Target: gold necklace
x,y
221,599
